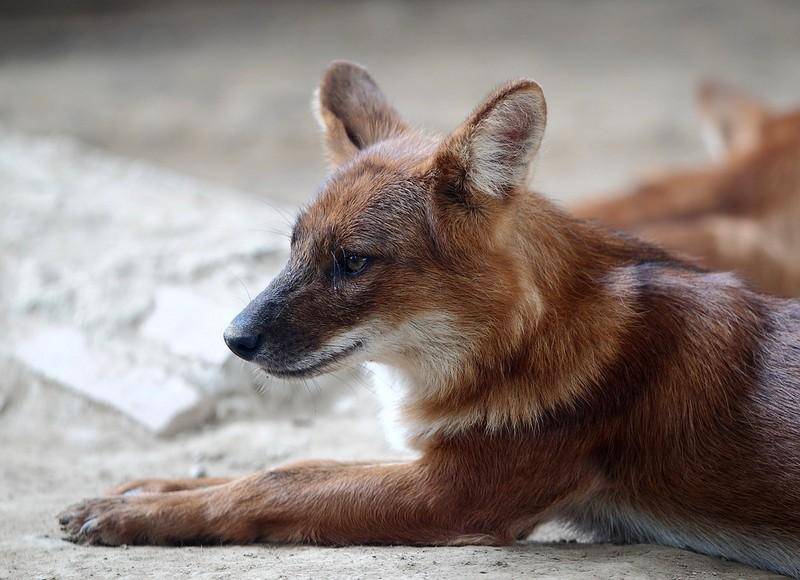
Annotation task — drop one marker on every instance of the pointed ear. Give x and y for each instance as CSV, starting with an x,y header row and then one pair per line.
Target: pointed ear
x,y
352,111
732,120
489,155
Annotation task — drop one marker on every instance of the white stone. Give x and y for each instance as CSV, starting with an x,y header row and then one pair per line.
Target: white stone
x,y
117,280
157,399
188,324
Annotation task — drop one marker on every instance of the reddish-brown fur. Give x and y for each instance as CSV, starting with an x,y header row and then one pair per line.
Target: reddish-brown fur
x,y
555,369
739,213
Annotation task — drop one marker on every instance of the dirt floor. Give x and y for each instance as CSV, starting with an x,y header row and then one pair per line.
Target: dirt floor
x,y
221,92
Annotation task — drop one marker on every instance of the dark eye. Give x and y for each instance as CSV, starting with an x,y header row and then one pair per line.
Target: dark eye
x,y
354,264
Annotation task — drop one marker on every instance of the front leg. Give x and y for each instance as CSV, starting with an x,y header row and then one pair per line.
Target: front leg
x,y
166,485
163,485
410,503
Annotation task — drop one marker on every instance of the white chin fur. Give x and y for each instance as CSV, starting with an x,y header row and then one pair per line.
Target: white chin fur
x,y
339,344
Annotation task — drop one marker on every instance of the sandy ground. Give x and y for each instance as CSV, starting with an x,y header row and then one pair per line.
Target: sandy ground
x,y
222,93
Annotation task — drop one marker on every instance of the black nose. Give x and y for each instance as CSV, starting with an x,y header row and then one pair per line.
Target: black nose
x,y
242,344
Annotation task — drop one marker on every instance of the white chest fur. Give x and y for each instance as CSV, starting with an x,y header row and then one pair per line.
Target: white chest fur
x,y
392,389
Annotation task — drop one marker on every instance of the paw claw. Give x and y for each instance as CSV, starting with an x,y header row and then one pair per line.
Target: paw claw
x,y
81,523
87,527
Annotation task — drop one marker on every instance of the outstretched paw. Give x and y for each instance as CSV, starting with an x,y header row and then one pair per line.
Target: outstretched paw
x,y
147,518
110,521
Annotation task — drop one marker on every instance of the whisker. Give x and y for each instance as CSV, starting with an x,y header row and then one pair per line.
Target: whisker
x,y
281,233
310,396
280,211
249,298
335,266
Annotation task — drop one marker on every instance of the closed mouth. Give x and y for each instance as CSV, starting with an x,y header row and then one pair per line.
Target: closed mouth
x,y
315,368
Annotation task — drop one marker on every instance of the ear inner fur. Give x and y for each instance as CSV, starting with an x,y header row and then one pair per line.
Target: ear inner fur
x,y
489,155
732,120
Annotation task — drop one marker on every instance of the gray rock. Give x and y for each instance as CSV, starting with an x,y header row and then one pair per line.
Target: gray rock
x,y
117,280
158,398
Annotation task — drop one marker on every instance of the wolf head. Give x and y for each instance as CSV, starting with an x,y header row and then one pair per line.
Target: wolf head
x,y
406,254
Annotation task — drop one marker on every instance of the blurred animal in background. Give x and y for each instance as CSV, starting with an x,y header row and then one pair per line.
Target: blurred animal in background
x,y
740,212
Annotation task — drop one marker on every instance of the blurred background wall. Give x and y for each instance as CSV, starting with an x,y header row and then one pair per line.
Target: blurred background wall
x,y
220,90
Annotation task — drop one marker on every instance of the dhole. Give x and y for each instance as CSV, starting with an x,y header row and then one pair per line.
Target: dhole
x,y
548,368
742,212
